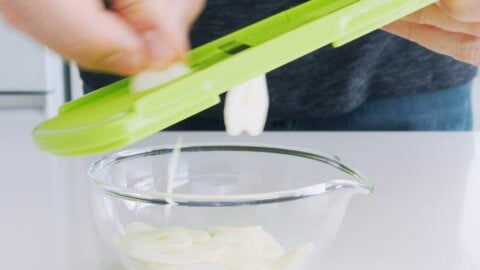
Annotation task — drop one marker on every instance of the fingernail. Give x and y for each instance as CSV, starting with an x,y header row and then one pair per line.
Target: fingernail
x,y
157,52
180,47
182,39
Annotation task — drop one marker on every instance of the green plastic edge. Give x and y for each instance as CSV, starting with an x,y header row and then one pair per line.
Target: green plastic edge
x,y
173,101
382,14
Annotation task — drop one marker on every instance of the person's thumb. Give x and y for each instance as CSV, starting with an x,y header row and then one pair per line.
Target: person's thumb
x,y
82,31
164,25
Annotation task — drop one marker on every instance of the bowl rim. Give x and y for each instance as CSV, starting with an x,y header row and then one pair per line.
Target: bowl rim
x,y
360,183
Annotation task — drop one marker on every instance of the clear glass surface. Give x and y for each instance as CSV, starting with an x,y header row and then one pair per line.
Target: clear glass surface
x,y
256,207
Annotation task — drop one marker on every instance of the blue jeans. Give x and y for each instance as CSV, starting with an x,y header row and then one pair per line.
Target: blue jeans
x,y
443,110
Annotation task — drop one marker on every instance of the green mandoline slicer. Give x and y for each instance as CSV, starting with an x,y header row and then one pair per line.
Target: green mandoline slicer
x,y
113,117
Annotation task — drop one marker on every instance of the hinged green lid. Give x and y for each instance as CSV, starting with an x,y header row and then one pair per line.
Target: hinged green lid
x,y
114,116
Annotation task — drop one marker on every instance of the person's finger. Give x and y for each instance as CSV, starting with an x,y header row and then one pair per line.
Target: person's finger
x,y
164,24
435,16
461,10
190,14
82,31
463,47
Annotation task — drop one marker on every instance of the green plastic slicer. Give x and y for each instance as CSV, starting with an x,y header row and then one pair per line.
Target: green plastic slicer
x,y
113,117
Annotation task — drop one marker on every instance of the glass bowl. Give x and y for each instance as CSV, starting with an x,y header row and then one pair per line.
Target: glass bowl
x,y
221,207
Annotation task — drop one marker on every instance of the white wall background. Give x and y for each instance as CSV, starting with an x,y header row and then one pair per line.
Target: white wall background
x,y
30,75
476,103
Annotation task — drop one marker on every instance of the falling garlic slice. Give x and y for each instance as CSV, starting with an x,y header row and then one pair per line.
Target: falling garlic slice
x,y
246,108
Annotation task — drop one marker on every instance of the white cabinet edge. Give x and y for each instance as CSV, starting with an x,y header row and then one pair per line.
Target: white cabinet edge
x,y
76,83
55,83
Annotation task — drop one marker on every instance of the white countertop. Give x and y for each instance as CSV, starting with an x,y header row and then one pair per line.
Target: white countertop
x,y
425,213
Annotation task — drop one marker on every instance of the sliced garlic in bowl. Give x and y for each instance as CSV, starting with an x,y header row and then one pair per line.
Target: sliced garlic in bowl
x,y
229,248
198,236
161,238
243,241
137,227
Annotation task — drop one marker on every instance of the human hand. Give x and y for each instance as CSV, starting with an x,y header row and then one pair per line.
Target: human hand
x,y
450,27
135,35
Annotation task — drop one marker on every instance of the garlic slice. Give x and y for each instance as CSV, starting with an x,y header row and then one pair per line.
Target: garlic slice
x,y
234,109
246,107
148,79
171,173
242,241
294,259
258,107
137,227
160,238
